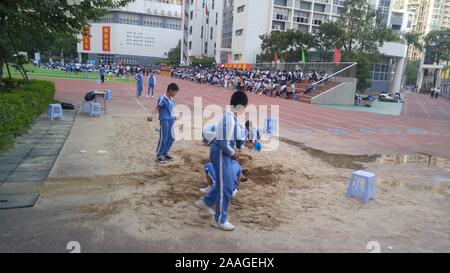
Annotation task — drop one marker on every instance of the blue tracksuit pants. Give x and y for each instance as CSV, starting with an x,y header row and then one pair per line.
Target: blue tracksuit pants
x,y
225,181
166,137
139,88
152,88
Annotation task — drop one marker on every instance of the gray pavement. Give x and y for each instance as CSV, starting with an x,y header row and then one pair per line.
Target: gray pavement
x,y
25,167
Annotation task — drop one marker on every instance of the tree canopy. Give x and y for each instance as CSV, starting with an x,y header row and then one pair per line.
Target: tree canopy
x,y
437,44
287,44
30,25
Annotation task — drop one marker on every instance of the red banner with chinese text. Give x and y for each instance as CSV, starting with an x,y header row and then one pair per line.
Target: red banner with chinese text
x,y
106,38
86,38
236,66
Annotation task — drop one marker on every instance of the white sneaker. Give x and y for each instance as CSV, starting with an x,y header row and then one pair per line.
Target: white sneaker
x,y
206,190
148,96
227,226
234,193
202,205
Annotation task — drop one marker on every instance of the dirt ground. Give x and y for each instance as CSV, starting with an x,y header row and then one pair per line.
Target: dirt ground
x,y
293,198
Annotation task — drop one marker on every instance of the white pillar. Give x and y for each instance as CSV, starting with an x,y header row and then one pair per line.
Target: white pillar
x,y
397,81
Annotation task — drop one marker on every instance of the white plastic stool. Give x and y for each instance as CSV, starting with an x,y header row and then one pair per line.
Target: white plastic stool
x,y
55,111
364,192
96,109
87,107
270,125
108,95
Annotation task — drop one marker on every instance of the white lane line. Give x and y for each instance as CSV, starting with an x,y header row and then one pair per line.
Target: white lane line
x,y
423,108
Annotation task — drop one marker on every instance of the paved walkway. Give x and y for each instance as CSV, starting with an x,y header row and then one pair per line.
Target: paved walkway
x,y
27,165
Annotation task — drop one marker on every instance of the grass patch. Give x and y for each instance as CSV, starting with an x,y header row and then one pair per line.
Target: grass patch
x,y
20,106
39,73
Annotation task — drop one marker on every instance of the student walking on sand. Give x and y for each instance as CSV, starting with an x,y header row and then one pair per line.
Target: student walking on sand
x,y
222,153
167,119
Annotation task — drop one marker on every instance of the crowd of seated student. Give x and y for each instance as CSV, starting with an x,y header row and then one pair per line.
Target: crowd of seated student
x,y
256,81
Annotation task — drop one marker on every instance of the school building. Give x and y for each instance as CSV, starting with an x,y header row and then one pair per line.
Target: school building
x,y
138,34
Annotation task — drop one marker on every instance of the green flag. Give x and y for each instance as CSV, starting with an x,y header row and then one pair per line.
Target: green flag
x,y
303,56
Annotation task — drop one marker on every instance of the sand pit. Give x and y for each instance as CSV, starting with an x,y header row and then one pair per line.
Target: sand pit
x,y
292,198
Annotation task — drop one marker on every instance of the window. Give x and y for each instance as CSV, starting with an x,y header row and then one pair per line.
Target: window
x,y
318,19
211,33
237,57
280,14
190,45
319,7
241,9
190,30
239,32
301,17
191,16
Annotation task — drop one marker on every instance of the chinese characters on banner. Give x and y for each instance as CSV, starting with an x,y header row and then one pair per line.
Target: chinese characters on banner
x,y
235,66
107,39
87,38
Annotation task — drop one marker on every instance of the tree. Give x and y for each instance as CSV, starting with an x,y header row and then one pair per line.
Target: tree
x,y
412,70
437,44
358,34
25,20
174,55
203,62
327,39
287,44
412,39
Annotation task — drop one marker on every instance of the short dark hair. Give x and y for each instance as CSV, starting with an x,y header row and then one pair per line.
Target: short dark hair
x,y
239,98
173,87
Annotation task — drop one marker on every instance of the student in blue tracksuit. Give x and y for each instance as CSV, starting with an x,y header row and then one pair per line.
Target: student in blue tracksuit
x,y
139,82
102,72
151,84
211,177
167,119
222,153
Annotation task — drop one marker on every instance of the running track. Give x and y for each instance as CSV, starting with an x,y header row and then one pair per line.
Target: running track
x,y
423,126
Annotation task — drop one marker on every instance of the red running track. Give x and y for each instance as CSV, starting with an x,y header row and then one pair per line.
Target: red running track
x,y
423,126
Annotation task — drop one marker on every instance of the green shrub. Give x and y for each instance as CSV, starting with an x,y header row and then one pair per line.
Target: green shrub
x,y
19,107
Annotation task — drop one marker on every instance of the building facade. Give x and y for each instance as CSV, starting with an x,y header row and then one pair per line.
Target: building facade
x,y
138,34
429,15
200,29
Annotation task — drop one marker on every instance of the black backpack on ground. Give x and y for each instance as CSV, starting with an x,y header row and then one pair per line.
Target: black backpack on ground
x,y
67,106
89,96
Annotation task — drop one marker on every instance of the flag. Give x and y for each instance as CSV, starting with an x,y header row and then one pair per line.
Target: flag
x,y
337,55
275,60
303,60
229,58
206,10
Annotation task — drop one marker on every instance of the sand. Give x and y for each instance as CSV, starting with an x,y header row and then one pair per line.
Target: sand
x,y
292,199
